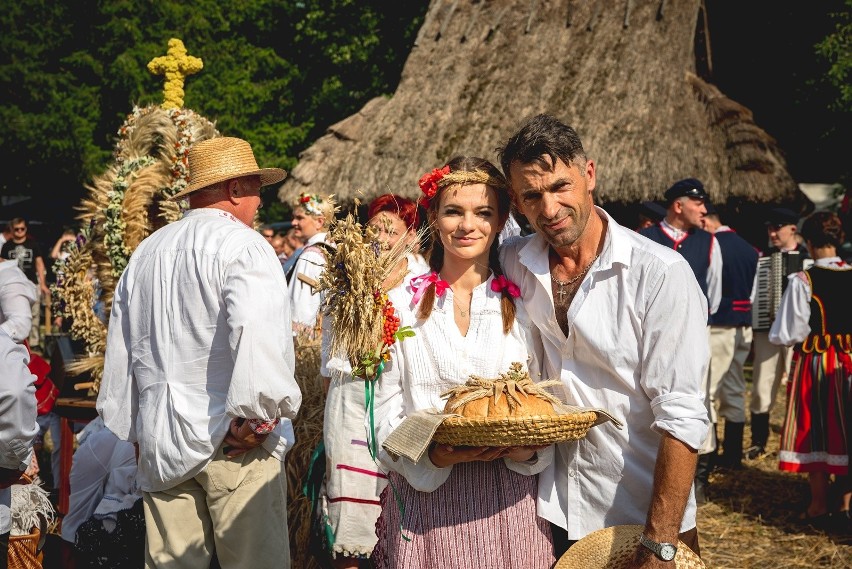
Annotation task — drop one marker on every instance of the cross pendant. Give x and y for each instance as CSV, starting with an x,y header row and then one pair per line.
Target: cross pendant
x,y
561,294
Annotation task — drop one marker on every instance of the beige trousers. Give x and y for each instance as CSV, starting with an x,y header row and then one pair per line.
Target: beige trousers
x,y
725,380
771,365
236,508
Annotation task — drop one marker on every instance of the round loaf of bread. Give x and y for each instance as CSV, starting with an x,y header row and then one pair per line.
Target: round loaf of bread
x,y
524,405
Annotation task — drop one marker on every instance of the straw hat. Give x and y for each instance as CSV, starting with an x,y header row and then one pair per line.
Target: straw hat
x,y
218,159
613,548
524,430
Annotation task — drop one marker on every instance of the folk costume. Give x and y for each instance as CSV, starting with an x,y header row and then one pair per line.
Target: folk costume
x,y
17,295
353,481
816,316
701,250
429,512
301,281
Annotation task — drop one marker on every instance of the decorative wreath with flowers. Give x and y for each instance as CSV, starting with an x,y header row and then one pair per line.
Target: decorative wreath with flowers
x,y
124,205
311,203
439,178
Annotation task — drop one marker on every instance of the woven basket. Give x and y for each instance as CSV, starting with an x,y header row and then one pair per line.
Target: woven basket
x,y
25,550
613,548
514,431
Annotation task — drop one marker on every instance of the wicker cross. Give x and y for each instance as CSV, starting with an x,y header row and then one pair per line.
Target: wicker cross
x,y
175,65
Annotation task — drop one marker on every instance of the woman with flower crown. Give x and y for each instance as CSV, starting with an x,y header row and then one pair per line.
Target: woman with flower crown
x,y
312,215
350,502
458,506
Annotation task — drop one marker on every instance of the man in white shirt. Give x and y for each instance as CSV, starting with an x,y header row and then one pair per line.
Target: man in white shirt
x,y
622,322
312,215
199,368
17,426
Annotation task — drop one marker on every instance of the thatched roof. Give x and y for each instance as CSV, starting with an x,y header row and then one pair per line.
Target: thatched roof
x,y
623,73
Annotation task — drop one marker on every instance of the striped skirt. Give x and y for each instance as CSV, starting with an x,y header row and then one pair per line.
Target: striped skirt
x,y
815,435
484,515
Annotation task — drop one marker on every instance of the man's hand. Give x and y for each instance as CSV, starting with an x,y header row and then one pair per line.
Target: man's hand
x,y
240,438
33,469
9,476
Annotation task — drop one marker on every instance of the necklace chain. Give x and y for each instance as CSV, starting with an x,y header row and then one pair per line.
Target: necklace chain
x,y
574,279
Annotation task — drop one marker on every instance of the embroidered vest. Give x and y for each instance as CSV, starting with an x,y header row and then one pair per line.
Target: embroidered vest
x,y
739,265
290,267
695,247
831,311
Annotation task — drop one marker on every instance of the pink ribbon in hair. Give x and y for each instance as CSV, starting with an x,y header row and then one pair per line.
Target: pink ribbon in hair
x,y
501,283
421,283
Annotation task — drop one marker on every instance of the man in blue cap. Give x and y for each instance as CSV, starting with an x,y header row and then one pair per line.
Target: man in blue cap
x,y
682,231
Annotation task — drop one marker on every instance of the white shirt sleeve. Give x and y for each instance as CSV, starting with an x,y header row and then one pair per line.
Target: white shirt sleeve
x,y
17,404
118,402
675,355
792,321
714,277
389,412
263,385
16,300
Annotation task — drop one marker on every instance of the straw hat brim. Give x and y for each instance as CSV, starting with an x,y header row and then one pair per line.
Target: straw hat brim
x,y
267,176
613,548
514,431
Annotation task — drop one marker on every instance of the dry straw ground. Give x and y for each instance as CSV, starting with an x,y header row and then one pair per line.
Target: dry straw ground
x,y
751,520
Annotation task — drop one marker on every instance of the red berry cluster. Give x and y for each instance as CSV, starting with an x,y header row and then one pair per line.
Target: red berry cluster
x,y
391,323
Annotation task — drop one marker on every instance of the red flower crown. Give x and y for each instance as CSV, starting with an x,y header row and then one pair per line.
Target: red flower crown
x,y
429,184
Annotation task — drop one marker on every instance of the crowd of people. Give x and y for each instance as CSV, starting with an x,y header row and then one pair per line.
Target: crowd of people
x,y
184,466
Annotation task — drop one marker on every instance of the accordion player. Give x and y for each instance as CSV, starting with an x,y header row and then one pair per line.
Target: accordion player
x,y
771,282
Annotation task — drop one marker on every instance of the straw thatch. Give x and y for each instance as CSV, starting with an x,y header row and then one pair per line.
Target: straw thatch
x,y
622,72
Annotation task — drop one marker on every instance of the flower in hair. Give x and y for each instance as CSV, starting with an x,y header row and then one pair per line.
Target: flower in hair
x,y
421,283
429,183
501,283
311,203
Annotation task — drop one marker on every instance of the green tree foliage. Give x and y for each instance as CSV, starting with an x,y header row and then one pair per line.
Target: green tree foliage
x,y
837,49
275,73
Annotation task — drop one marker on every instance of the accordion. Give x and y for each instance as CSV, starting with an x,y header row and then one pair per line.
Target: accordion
x,y
771,277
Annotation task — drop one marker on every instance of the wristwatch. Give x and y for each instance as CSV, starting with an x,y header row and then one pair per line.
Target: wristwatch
x,y
664,551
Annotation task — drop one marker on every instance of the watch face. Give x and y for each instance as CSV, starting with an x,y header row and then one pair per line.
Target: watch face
x,y
667,551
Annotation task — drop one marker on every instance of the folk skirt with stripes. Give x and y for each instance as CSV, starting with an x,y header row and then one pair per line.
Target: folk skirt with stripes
x,y
815,435
484,515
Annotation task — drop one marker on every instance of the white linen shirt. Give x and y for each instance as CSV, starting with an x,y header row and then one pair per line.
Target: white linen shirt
x,y
637,347
438,358
199,334
304,301
17,416
792,322
17,296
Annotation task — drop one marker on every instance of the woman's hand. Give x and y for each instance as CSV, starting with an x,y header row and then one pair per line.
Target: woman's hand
x,y
523,453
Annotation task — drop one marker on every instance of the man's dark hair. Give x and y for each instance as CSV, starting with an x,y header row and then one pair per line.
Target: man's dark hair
x,y
542,135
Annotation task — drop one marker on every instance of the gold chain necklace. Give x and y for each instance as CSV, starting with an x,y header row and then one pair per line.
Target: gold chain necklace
x,y
463,313
562,284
